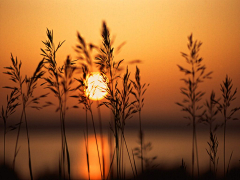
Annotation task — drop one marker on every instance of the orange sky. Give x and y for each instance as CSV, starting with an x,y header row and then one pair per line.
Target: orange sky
x,y
155,31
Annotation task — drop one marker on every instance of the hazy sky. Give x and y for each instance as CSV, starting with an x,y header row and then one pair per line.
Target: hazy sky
x,y
155,31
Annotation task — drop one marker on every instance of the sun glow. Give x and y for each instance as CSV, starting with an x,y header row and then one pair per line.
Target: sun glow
x,y
94,167
96,86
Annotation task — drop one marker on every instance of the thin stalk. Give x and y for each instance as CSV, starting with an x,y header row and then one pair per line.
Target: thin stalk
x,y
121,155
4,143
87,155
101,134
128,154
95,134
141,138
224,143
86,143
110,168
29,152
87,126
61,108
194,115
210,130
62,138
115,120
193,151
196,151
195,75
66,147
64,131
117,148
18,134
134,163
115,114
229,162
111,148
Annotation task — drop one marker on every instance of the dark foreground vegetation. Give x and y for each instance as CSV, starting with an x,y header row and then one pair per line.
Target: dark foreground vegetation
x,y
174,173
124,99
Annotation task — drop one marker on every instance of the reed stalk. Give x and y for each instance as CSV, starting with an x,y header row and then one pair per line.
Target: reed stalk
x,y
139,97
59,83
102,142
196,74
109,68
228,98
27,98
84,55
209,118
117,99
212,152
5,113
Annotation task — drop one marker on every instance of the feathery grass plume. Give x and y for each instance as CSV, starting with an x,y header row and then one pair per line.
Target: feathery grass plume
x,y
107,66
138,94
10,109
126,111
27,97
15,76
208,118
111,69
212,152
59,83
84,51
83,99
228,97
86,101
195,75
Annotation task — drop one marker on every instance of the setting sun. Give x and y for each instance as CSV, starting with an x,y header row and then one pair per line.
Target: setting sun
x,y
96,86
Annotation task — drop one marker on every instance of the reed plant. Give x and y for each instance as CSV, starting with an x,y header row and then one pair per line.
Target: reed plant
x,y
208,118
107,66
138,94
5,113
229,95
190,104
84,51
59,81
27,98
126,112
116,100
212,152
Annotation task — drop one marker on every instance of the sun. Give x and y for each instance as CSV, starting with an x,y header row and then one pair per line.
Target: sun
x,y
96,86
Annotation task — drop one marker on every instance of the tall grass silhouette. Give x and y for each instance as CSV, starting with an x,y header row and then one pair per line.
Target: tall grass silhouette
x,y
126,112
190,104
27,98
116,100
212,152
138,94
109,67
59,83
84,55
208,118
5,113
228,98
125,99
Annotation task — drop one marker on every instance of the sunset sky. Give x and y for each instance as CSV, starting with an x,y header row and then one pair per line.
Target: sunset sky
x,y
155,31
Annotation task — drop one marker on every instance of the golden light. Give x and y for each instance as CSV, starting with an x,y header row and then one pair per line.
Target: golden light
x,y
95,172
96,86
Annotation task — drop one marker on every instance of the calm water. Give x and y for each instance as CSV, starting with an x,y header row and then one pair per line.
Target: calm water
x,y
170,147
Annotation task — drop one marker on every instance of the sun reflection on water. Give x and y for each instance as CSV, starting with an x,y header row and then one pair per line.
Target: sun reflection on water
x,y
95,172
